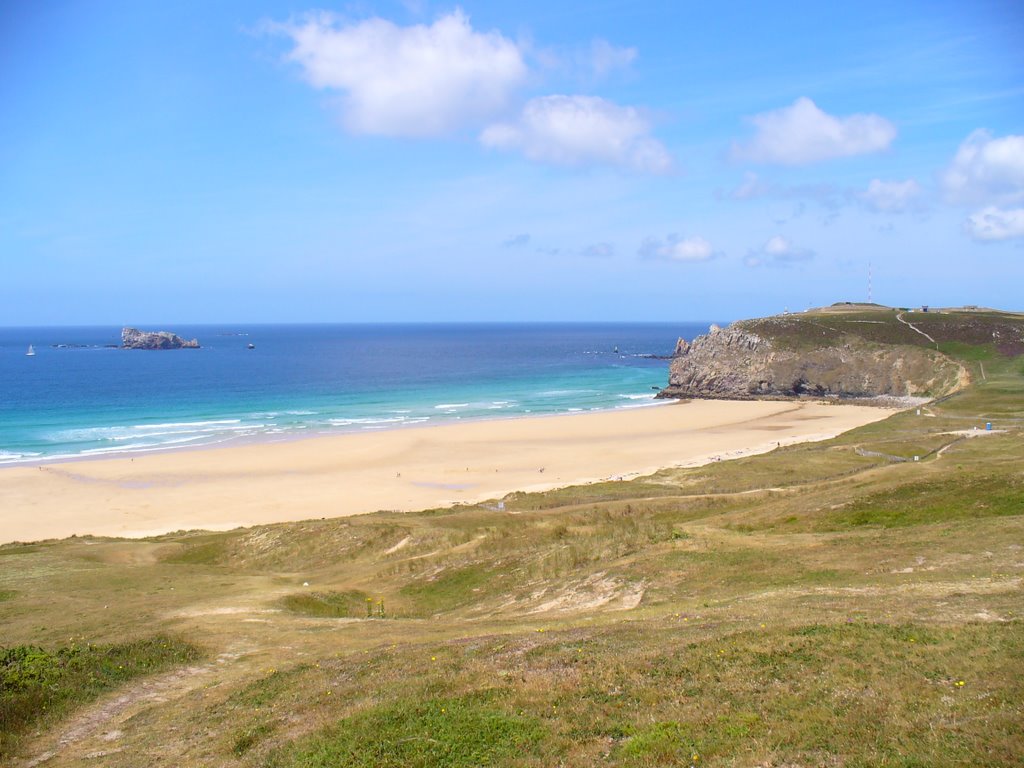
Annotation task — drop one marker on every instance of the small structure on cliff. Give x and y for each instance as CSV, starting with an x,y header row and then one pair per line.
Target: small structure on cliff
x,y
133,338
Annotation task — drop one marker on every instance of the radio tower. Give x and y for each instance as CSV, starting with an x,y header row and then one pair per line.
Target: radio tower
x,y
869,283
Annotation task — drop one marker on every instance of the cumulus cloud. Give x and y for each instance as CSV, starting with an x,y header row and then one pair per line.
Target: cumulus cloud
x,y
678,249
777,251
516,241
581,130
890,196
992,224
986,170
419,80
802,133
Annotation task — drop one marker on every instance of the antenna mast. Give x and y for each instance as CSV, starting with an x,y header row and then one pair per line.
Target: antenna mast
x,y
869,283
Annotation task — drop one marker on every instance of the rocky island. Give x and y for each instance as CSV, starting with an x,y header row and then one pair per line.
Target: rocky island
x,y
842,351
133,338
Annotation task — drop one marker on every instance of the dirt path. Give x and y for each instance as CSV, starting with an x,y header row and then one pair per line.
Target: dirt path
x,y
915,329
97,726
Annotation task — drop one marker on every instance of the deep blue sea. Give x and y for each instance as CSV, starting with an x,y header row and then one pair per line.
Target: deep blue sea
x,y
85,399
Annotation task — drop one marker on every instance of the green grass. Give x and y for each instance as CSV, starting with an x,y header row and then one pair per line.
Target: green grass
x,y
39,686
937,500
664,743
17,549
852,692
969,352
1000,394
203,553
352,603
449,590
267,689
454,732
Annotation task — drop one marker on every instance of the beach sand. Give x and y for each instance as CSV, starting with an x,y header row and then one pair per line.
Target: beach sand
x,y
403,469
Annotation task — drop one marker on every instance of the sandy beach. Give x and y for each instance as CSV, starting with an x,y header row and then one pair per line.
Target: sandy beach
x,y
403,469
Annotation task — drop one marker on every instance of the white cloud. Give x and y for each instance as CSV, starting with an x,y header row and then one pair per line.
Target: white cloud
x,y
986,170
587,64
777,251
992,224
678,249
606,58
408,81
778,246
890,196
802,133
581,130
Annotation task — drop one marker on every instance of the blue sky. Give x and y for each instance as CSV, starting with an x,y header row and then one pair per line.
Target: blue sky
x,y
287,162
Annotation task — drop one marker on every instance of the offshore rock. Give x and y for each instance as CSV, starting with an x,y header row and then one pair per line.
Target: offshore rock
x,y
133,338
739,363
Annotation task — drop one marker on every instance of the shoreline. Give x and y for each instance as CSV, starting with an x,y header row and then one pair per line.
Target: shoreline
x,y
317,476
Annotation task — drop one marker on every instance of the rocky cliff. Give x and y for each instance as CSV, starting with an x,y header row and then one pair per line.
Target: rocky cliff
x,y
807,356
133,338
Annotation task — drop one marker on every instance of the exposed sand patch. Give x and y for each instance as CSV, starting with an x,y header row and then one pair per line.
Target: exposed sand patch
x,y
596,591
400,545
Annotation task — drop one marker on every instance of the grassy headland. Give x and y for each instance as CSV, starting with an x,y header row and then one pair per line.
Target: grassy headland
x,y
834,603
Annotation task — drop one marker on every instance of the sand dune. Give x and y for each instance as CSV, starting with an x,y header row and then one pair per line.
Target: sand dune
x,y
403,469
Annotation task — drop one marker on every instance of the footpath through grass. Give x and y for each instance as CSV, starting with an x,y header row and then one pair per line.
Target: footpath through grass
x,y
39,686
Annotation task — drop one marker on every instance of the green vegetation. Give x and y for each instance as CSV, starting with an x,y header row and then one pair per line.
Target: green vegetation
x,y
941,500
201,552
463,732
975,335
832,603
330,604
451,589
39,686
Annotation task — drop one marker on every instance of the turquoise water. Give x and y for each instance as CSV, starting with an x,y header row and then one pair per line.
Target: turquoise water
x,y
78,397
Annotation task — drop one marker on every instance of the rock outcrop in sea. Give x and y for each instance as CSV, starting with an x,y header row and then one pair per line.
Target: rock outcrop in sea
x,y
793,357
133,338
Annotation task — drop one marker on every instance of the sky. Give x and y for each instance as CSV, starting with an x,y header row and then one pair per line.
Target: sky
x,y
264,161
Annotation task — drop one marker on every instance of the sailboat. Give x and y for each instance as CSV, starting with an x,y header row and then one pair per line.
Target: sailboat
x,y
31,351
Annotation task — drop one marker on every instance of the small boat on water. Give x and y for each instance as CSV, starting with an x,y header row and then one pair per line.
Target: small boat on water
x,y
251,346
31,351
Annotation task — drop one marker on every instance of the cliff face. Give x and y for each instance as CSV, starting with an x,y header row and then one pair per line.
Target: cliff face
x,y
133,338
738,363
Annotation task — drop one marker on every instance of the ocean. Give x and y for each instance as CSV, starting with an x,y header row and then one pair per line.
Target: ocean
x,y
78,397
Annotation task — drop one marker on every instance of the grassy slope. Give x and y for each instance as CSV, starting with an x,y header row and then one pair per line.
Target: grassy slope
x,y
817,605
